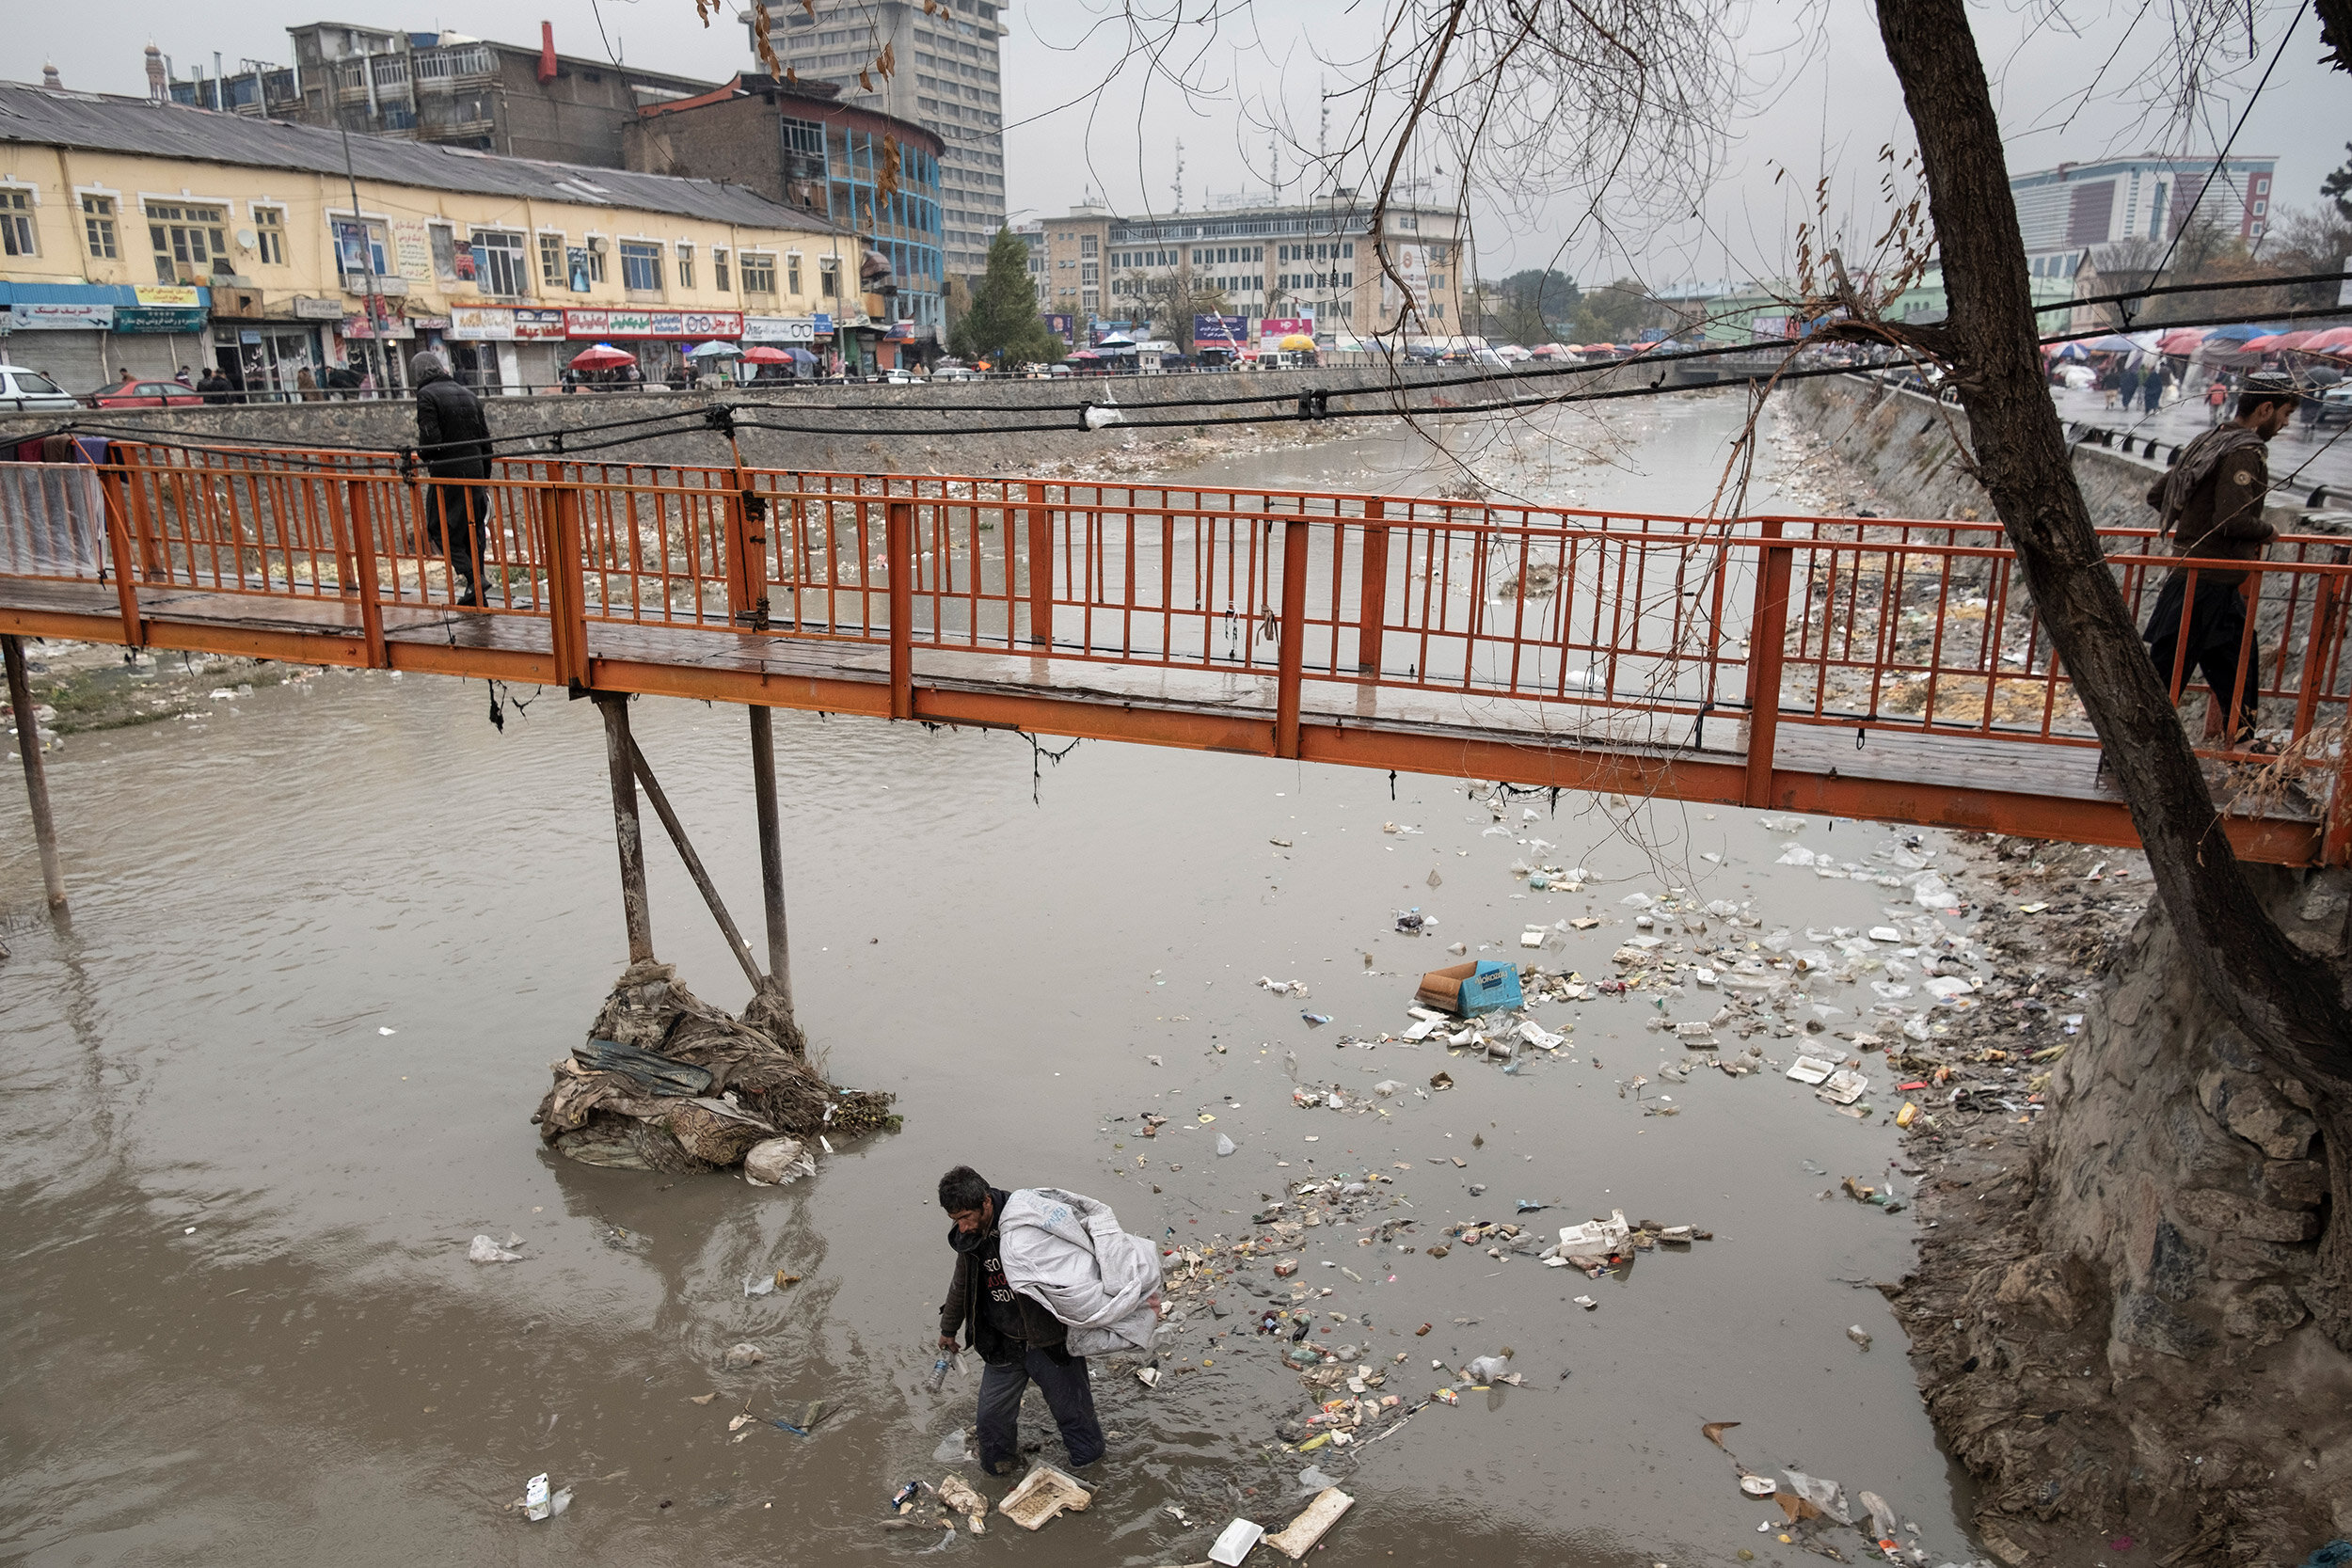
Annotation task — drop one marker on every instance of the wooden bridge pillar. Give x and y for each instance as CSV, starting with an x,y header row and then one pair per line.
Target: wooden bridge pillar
x,y
36,772
620,753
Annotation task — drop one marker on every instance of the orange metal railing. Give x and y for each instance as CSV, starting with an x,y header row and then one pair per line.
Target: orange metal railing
x,y
1659,633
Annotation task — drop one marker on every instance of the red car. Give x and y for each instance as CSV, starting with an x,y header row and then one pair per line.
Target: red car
x,y
149,394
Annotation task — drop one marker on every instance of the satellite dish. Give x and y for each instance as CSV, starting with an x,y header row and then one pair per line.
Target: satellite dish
x,y
246,239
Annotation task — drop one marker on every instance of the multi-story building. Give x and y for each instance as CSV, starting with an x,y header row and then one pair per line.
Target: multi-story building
x,y
1313,263
800,145
143,235
2068,210
930,61
523,100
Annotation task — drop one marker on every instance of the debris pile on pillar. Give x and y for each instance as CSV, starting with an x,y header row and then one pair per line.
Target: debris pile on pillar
x,y
667,1082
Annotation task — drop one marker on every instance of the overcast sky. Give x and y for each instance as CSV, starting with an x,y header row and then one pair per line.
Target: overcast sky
x,y
2072,83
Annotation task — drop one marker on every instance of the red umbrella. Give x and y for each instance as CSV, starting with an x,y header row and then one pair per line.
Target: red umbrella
x,y
604,357
2334,338
2261,346
764,355
2294,340
2182,340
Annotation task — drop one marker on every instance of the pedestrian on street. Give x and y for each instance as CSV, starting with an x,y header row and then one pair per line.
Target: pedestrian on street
x,y
2127,385
2151,386
343,381
1017,1337
2210,505
2217,398
215,386
454,439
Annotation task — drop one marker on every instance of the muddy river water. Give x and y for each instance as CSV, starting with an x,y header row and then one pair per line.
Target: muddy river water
x,y
327,942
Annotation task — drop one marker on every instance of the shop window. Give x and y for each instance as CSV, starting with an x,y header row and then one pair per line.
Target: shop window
x,y
759,273
551,272
191,242
269,235
499,266
16,222
718,269
98,228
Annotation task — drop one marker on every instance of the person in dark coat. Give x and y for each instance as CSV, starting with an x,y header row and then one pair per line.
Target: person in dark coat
x,y
2210,503
215,386
454,439
342,382
1017,1337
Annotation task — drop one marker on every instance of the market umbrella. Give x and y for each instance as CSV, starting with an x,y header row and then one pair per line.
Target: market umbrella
x,y
2182,339
1295,341
604,357
800,356
714,350
1115,340
2113,343
766,356
2262,344
2070,352
2241,332
2334,338
2294,340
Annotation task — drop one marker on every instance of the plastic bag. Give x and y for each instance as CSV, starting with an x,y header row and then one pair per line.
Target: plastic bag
x,y
1066,1251
1827,1495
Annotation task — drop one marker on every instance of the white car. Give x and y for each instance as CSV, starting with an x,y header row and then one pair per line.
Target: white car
x,y
29,391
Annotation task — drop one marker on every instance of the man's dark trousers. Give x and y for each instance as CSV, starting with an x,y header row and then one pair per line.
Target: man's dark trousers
x,y
2217,630
1066,1394
458,521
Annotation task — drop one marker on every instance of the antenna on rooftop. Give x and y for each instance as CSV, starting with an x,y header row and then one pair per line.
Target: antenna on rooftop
x,y
1180,174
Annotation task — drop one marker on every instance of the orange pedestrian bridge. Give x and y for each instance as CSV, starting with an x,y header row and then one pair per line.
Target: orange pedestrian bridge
x,y
1871,667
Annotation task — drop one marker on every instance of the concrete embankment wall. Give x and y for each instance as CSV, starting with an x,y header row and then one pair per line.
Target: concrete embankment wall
x,y
1909,447
932,427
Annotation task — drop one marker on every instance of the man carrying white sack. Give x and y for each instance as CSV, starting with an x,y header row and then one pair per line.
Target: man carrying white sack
x,y
1043,1280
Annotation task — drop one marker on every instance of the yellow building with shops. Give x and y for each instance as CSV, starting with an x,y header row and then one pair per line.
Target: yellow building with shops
x,y
149,236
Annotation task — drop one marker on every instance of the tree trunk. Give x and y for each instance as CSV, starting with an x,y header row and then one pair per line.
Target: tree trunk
x,y
2287,1001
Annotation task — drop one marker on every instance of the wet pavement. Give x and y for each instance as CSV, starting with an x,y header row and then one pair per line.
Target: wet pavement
x,y
327,941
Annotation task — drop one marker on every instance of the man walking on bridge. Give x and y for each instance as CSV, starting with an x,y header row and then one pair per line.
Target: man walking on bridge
x,y
1016,1334
454,439
2210,503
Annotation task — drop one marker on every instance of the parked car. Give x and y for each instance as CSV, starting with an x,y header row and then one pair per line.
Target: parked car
x,y
2335,404
147,394
25,390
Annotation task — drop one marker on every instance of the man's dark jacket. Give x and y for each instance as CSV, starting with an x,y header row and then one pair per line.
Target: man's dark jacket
x,y
452,437
962,1313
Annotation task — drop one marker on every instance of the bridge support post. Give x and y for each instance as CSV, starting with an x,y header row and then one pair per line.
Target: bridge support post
x,y
900,543
36,773
771,852
1768,632
1372,592
702,884
1291,654
619,756
1040,558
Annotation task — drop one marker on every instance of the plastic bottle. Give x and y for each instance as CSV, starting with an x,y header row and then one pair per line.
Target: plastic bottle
x,y
939,1370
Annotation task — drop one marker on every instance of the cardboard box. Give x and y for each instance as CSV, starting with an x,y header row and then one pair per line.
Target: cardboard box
x,y
1467,988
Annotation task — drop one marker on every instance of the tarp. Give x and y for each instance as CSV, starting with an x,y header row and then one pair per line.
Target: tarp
x,y
1066,1251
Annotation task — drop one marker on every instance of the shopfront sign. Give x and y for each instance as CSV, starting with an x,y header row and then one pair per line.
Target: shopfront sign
x,y
779,329
412,250
171,296
1220,331
824,323
359,326
653,323
157,319
538,327
475,324
62,318
309,309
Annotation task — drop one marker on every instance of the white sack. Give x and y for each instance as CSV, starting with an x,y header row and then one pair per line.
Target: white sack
x,y
1066,1251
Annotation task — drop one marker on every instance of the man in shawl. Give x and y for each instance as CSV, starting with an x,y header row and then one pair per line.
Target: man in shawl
x,y
2210,505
